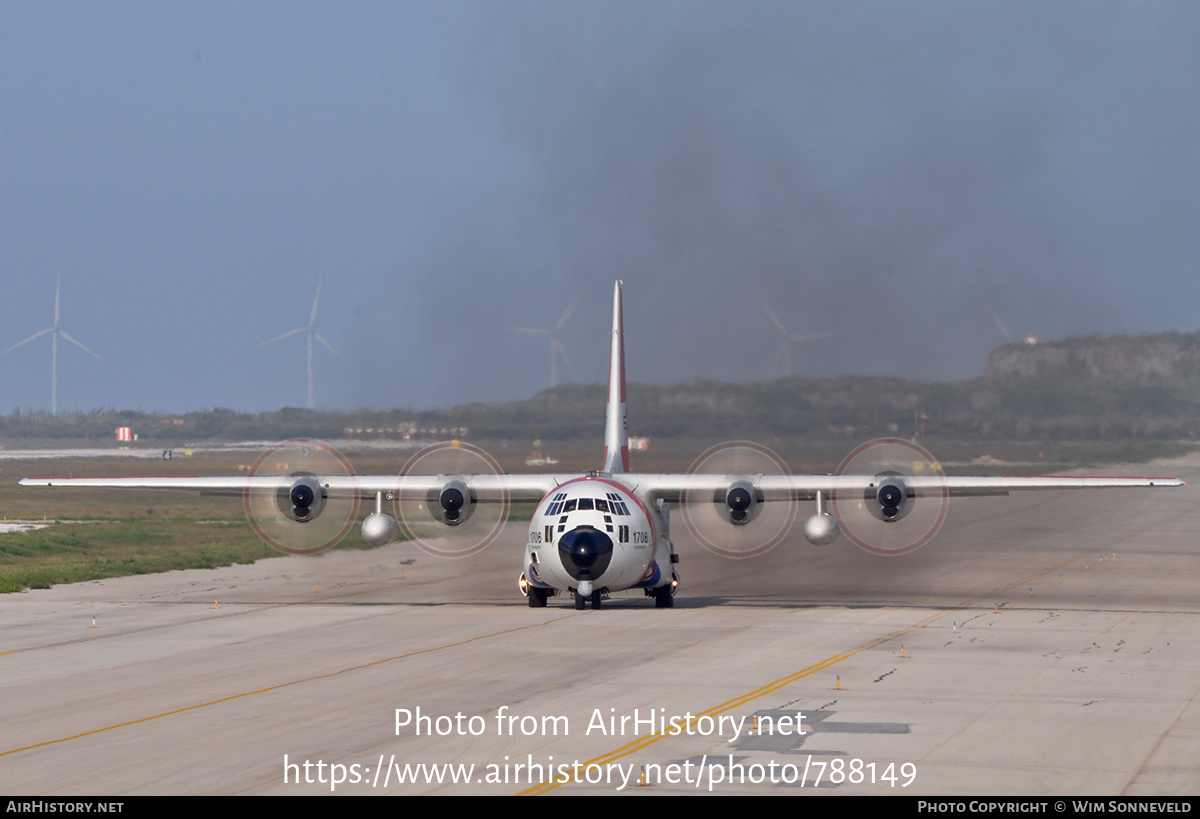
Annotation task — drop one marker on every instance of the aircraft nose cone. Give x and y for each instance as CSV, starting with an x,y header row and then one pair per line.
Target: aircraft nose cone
x,y
585,552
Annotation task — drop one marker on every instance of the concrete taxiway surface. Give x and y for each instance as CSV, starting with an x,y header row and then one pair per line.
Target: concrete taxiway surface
x,y
1013,655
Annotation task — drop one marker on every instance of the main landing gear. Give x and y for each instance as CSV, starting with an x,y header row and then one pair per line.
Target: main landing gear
x,y
536,597
664,596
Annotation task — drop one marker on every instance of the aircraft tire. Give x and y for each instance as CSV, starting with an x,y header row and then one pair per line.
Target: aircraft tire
x,y
596,599
663,599
537,598
580,601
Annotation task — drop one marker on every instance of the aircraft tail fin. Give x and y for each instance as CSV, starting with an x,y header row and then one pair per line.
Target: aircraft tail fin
x,y
616,432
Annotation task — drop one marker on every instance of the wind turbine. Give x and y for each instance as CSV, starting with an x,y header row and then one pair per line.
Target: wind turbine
x,y
556,347
312,333
783,357
1029,338
55,332
1003,328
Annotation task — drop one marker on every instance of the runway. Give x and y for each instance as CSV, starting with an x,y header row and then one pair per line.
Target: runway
x,y
1015,654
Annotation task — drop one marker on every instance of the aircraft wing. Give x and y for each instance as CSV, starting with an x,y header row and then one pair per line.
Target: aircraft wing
x,y
674,488
484,488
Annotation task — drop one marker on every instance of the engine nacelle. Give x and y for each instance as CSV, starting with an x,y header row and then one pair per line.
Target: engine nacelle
x,y
453,504
739,504
303,500
379,529
891,495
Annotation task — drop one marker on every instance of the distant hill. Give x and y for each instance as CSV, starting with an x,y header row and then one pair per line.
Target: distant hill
x,y
1167,360
1116,385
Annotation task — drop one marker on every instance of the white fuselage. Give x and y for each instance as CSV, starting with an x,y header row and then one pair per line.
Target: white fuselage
x,y
595,529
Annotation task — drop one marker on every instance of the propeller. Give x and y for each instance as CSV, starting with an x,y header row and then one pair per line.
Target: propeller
x,y
879,514
450,521
733,521
295,513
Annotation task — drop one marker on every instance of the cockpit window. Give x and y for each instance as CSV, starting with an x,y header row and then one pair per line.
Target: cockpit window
x,y
562,505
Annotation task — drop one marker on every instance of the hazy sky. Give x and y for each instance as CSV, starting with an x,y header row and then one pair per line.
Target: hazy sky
x,y
887,172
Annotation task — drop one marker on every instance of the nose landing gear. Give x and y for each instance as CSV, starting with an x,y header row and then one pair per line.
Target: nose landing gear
x,y
584,592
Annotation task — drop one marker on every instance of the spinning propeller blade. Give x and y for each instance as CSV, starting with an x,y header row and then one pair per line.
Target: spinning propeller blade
x,y
297,514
